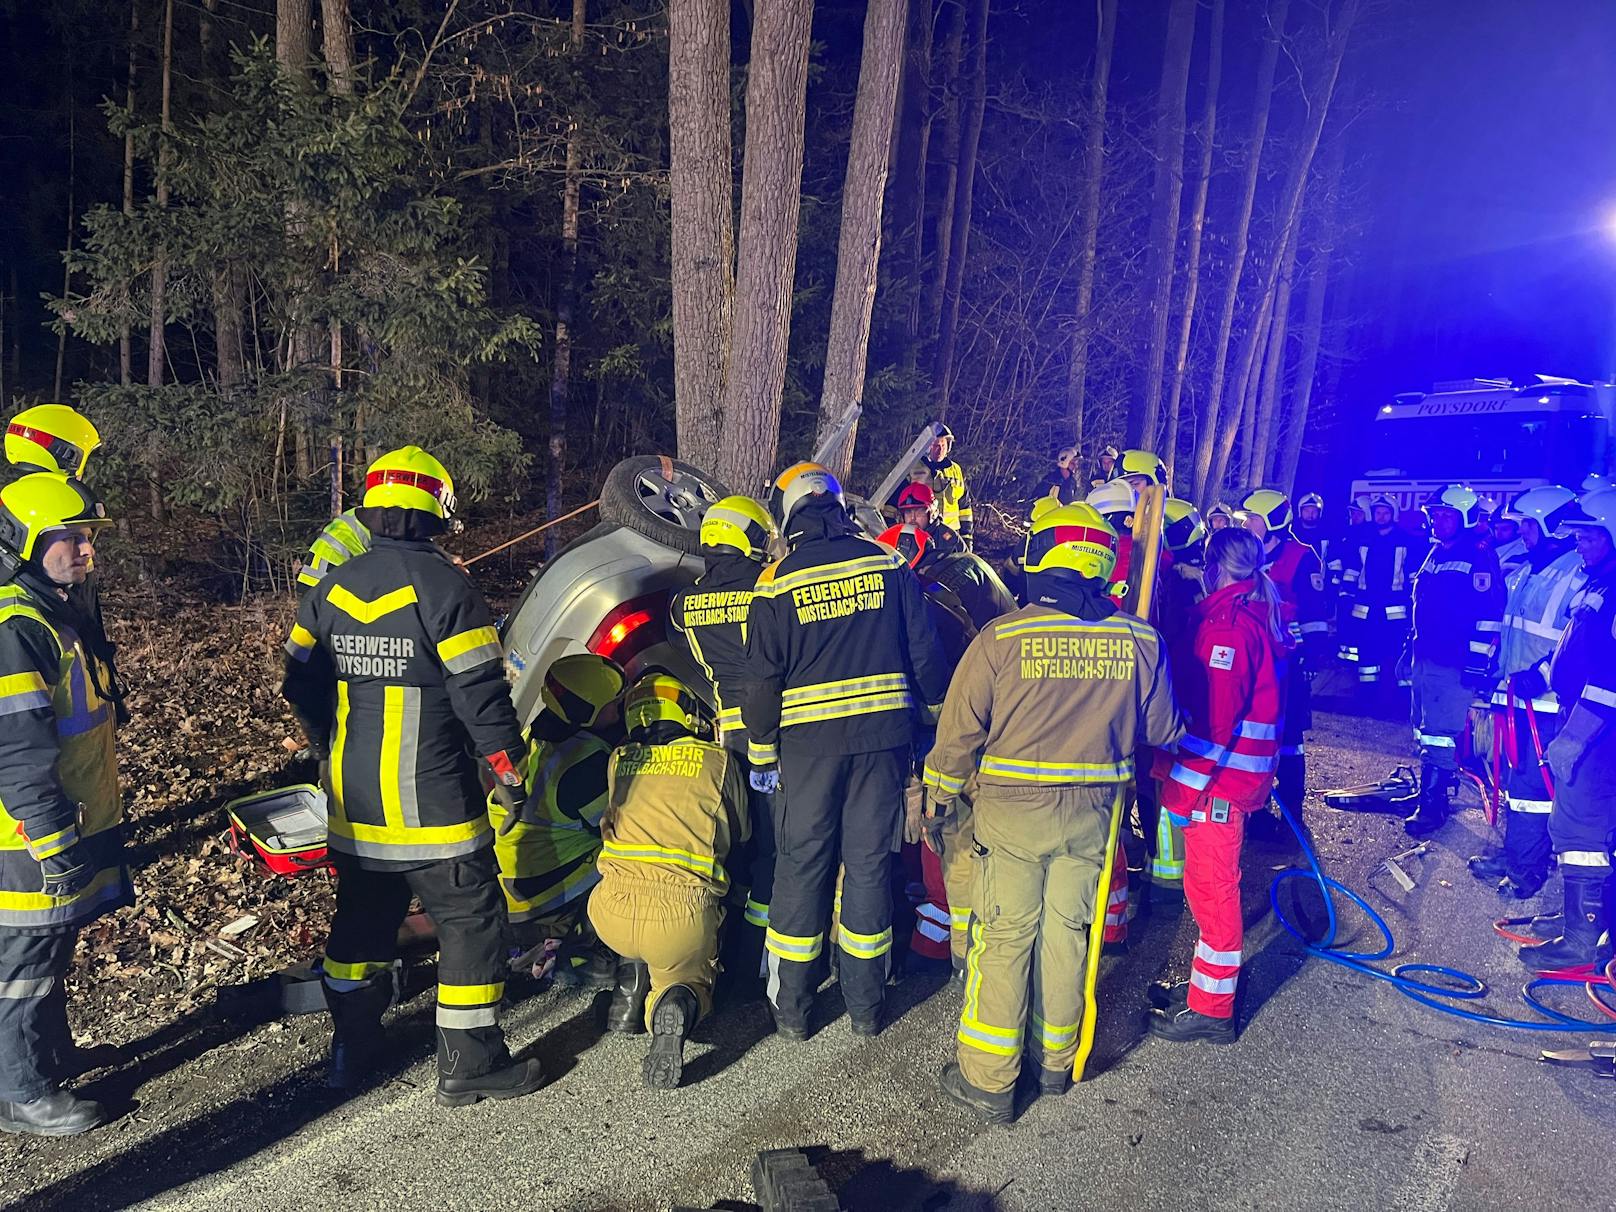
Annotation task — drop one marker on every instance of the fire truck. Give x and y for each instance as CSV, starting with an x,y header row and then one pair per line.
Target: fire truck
x,y
1499,438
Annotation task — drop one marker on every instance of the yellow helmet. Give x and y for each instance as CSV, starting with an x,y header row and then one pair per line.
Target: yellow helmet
x,y
41,502
1042,506
799,482
1183,527
659,698
53,437
1074,536
578,687
740,524
1140,463
409,478
1269,505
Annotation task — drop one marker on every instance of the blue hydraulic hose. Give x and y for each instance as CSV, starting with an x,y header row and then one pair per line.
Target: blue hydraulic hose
x,y
1460,985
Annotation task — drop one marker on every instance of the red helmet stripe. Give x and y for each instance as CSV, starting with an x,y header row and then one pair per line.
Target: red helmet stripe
x,y
38,436
1082,534
430,485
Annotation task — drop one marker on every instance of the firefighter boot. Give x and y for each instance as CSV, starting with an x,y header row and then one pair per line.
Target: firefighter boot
x,y
511,1080
626,1014
1432,811
671,1023
995,1108
357,1042
1183,1025
59,1113
1579,939
1489,868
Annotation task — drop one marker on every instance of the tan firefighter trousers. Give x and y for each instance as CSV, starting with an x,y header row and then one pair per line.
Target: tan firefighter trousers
x,y
1039,853
671,928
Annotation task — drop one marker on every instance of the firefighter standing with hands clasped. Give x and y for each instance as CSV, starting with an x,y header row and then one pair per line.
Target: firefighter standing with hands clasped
x,y
1048,708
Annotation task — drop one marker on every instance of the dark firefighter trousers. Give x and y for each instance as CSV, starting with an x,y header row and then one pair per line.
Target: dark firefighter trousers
x,y
842,809
1526,795
33,1012
463,899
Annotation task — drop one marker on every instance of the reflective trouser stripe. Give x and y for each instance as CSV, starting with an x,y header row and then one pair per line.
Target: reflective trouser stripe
x,y
352,975
1537,807
1584,858
801,948
756,913
23,990
467,1019
864,946
1054,1038
466,1007
1211,956
1211,984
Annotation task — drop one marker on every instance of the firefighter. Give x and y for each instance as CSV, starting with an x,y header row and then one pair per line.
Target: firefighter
x,y
1378,567
736,537
1457,593
678,807
57,438
917,507
339,540
1116,501
1140,468
1047,709
1509,544
1295,570
396,673
840,656
954,508
1582,756
1317,533
61,814
1062,483
1219,517
1229,672
1525,712
1104,464
546,850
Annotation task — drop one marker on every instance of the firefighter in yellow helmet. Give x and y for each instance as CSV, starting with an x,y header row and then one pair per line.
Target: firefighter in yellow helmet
x,y
1141,468
346,535
737,535
61,844
678,808
396,673
546,850
1048,708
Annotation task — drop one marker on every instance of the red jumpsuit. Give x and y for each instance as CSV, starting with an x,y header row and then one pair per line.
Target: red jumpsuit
x,y
1229,675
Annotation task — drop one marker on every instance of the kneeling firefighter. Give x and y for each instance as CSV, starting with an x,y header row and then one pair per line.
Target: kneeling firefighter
x,y
61,815
678,807
1048,708
546,851
396,673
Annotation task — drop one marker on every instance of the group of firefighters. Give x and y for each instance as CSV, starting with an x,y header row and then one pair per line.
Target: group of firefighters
x,y
863,692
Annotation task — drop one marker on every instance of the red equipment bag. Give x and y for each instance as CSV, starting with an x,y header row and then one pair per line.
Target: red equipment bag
x,y
285,829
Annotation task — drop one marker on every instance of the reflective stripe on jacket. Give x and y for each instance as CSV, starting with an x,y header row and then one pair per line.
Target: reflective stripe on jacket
x,y
549,862
58,768
953,495
1536,607
343,537
1458,592
711,615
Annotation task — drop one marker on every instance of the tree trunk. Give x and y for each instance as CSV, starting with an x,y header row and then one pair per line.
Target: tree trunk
x,y
229,332
1291,200
1168,193
1318,278
909,183
561,373
72,181
702,187
960,238
337,41
1210,414
292,21
1273,377
126,367
858,254
156,350
771,201
1192,267
953,56
1094,168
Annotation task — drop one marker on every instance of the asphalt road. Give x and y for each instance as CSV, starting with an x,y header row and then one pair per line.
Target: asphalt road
x,y
1340,1093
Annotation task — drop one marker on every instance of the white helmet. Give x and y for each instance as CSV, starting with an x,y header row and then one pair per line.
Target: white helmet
x,y
1114,497
1597,482
1541,505
1591,509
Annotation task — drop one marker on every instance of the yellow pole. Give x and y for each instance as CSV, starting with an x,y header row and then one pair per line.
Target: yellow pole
x,y
1147,530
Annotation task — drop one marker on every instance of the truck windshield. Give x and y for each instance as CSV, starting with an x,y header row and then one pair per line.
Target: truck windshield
x,y
1559,446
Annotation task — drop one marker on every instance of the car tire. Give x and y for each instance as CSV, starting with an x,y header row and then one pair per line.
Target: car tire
x,y
661,498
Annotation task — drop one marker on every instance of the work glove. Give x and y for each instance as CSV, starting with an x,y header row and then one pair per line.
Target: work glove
x,y
1529,684
766,782
936,816
914,806
67,873
507,771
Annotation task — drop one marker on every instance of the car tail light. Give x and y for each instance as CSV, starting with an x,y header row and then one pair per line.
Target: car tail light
x,y
631,628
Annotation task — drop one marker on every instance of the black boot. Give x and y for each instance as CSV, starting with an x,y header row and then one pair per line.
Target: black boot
x,y
1546,926
511,1080
1183,1025
996,1108
1489,868
671,1023
1054,1082
357,1042
59,1113
1168,995
626,1014
1578,942
1432,812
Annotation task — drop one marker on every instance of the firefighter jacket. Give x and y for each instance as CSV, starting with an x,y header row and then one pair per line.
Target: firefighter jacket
x,y
840,651
1294,568
1511,555
1048,698
1379,573
395,671
1229,674
1537,604
948,479
58,768
675,812
711,615
1064,487
547,859
1457,590
1582,675
344,537
1327,544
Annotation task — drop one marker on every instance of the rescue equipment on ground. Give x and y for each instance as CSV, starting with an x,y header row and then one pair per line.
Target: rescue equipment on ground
x,y
284,829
